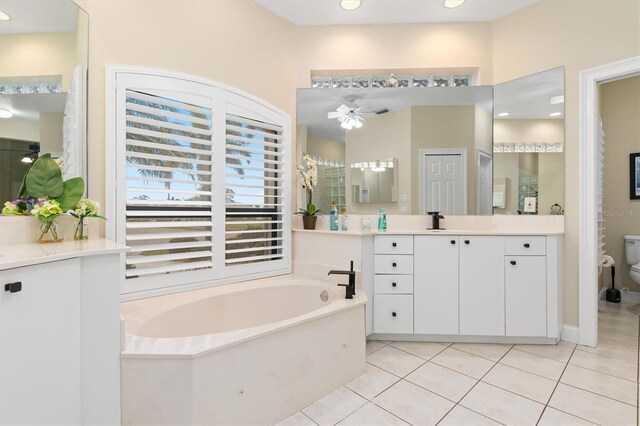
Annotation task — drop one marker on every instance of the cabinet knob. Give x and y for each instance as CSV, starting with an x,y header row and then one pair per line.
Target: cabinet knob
x,y
513,262
393,314
394,264
453,242
394,244
467,242
527,245
394,285
13,287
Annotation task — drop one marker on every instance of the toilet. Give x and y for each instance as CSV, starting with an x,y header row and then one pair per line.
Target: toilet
x,y
632,250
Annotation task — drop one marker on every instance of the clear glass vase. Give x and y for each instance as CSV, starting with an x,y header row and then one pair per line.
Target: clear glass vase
x,y
50,232
81,231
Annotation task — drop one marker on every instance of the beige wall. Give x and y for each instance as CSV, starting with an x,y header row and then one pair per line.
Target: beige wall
x,y
528,131
38,54
325,148
620,113
16,128
235,42
550,181
51,132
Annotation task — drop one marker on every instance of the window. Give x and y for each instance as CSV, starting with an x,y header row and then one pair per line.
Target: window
x,y
200,189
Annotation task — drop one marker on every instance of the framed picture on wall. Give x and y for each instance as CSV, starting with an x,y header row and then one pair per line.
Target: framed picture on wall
x,y
634,174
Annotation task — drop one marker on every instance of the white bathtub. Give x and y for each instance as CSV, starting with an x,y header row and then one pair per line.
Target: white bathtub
x,y
246,353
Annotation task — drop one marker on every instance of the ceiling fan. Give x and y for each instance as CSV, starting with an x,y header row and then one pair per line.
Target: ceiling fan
x,y
350,115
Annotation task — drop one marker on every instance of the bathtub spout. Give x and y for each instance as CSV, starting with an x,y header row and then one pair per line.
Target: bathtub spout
x,y
351,287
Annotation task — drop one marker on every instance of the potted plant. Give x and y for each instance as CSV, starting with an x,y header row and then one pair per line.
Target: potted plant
x,y
308,174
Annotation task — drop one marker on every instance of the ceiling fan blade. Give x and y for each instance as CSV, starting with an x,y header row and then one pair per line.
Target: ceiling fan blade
x,y
343,109
335,114
343,118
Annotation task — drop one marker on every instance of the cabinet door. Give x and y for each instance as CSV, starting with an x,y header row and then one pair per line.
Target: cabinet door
x,y
526,295
40,341
436,284
393,313
482,286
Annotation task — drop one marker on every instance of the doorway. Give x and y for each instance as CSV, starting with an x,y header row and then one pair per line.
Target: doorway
x,y
443,181
484,198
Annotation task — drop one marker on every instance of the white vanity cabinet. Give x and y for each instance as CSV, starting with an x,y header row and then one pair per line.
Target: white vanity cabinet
x,y
481,288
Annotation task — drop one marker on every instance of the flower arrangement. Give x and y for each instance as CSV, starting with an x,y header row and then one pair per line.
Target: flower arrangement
x,y
19,207
85,208
47,211
309,177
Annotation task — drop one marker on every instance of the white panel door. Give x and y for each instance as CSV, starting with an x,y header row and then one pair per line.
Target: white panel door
x,y
40,345
435,292
526,295
482,286
443,188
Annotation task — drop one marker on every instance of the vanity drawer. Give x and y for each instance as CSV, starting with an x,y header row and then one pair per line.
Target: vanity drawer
x,y
390,284
393,313
393,264
525,245
393,244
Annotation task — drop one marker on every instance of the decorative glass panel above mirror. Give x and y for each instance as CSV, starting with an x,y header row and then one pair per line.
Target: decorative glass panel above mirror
x,y
435,144
44,49
528,146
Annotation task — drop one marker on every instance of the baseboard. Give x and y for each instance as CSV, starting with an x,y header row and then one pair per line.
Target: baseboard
x,y
630,296
570,333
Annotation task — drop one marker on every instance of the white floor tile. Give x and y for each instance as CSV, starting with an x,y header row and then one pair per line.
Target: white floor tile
x,y
413,404
463,362
441,380
553,417
486,350
426,350
463,416
334,407
560,352
622,351
592,407
372,382
517,381
395,361
623,369
532,363
298,419
371,414
374,345
502,406
602,384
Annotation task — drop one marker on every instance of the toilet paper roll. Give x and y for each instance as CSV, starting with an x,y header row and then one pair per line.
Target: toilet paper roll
x,y
607,261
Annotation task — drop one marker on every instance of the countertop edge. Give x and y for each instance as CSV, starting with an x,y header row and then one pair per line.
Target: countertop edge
x,y
487,232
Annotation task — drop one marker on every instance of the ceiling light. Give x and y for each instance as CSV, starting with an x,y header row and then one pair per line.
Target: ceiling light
x,y
451,4
555,114
352,122
350,4
4,16
555,100
504,114
5,113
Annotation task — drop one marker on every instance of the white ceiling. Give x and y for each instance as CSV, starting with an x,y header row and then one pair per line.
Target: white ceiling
x,y
329,12
529,98
29,107
313,104
38,16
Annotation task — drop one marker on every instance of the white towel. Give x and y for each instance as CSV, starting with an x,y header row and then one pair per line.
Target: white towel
x,y
607,261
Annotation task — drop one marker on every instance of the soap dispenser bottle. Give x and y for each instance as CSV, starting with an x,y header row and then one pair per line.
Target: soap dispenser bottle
x,y
333,216
343,219
382,220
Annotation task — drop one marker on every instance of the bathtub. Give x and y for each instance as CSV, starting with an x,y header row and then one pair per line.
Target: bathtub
x,y
245,353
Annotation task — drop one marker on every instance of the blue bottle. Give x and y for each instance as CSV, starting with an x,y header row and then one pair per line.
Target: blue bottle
x,y
382,220
333,216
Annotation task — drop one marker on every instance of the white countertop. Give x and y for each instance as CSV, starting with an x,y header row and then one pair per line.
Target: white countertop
x,y
433,232
26,254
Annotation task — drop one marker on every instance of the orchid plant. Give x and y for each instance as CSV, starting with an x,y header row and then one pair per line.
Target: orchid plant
x,y
308,174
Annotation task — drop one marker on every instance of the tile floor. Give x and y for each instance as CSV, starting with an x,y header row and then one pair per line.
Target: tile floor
x,y
476,384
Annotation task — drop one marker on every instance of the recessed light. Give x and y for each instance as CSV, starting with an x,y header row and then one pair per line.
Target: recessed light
x,y
5,113
4,16
555,100
555,114
350,4
452,4
504,114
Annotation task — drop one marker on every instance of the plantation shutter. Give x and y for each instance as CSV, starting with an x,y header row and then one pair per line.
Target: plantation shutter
x,y
600,192
167,145
255,194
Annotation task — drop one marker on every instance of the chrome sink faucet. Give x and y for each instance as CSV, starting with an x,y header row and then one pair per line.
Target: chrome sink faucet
x,y
351,287
435,216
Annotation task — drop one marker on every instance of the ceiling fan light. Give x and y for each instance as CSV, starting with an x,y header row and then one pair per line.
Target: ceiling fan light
x,y
452,4
350,4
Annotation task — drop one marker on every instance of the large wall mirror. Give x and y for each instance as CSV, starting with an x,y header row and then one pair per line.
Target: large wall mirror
x,y
44,50
528,166
408,150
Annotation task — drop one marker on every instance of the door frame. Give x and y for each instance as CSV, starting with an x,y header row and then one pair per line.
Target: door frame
x,y
423,153
481,153
588,220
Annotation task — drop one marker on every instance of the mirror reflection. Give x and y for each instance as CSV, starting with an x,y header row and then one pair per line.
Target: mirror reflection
x,y
438,141
529,145
44,48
